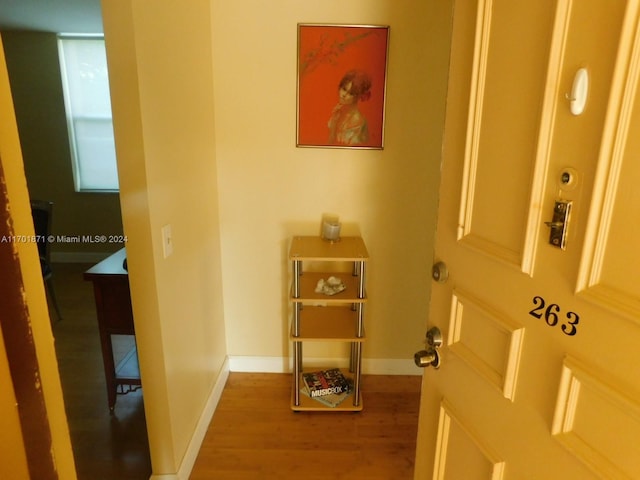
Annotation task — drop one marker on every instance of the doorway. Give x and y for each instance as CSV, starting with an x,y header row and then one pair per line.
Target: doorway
x,y
97,436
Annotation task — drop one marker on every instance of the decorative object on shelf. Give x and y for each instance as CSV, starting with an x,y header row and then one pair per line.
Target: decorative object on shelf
x,y
330,286
330,227
342,71
331,230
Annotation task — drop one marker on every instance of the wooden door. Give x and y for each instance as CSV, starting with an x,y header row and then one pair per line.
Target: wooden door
x,y
540,373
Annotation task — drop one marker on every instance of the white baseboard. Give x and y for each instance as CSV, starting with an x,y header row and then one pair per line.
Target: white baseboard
x,y
370,366
259,364
190,456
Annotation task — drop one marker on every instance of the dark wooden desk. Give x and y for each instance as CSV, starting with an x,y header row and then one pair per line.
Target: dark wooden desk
x,y
115,317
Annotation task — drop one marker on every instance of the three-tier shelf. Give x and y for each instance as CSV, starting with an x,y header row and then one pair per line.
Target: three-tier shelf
x,y
318,317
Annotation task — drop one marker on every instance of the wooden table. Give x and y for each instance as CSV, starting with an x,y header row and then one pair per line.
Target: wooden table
x,y
115,317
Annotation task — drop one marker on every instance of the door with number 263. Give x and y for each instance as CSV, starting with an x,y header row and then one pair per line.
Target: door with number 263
x,y
539,227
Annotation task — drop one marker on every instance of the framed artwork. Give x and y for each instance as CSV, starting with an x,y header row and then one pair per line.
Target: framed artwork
x,y
342,71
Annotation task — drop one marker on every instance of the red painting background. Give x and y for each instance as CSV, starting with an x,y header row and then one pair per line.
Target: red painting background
x,y
325,54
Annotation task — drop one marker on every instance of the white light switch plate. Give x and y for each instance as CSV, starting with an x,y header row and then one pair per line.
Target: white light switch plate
x,y
167,241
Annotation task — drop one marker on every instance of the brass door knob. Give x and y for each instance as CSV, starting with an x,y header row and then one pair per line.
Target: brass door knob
x,y
427,358
430,357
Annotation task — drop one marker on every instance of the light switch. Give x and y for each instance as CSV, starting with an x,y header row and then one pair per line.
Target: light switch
x,y
167,241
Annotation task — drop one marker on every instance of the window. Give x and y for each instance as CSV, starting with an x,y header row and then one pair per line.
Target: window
x,y
85,83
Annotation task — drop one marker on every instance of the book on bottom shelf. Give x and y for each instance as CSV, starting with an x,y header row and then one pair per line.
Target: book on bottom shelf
x,y
329,387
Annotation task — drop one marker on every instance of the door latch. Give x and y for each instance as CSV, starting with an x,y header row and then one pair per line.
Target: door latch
x,y
559,224
430,357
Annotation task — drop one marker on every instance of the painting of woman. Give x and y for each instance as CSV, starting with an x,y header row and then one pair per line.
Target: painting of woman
x,y
347,125
325,53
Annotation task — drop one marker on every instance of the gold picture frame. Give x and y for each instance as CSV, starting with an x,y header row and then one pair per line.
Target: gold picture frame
x,y
341,85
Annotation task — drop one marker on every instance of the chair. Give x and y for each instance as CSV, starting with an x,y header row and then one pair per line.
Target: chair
x,y
42,212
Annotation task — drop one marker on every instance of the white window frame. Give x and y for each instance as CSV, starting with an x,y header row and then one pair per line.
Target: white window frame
x,y
85,86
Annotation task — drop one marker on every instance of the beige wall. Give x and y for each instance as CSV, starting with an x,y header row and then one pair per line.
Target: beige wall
x,y
160,65
270,190
34,72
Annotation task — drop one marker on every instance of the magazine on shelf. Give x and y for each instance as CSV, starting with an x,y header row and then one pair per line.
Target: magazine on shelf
x,y
332,400
326,382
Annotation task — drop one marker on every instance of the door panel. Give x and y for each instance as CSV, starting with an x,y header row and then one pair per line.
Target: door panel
x,y
498,156
461,453
590,414
487,340
540,375
609,273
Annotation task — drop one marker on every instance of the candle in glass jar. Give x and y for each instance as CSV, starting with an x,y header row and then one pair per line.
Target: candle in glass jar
x,y
331,231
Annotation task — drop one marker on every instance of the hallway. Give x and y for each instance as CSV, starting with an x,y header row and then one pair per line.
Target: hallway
x,y
253,435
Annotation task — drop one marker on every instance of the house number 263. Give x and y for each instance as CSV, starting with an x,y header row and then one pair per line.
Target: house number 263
x,y
551,314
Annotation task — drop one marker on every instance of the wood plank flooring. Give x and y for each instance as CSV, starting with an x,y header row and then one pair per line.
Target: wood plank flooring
x,y
105,447
253,435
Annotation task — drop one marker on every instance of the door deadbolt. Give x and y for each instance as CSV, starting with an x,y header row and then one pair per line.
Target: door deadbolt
x,y
559,224
434,337
430,356
440,272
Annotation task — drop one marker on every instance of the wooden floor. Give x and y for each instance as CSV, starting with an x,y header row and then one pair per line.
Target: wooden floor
x,y
105,447
253,435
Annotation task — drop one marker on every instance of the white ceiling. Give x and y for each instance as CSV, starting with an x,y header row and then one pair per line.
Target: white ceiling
x,y
59,16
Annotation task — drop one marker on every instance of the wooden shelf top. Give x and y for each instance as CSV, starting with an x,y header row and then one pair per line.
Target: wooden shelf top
x,y
315,248
328,324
